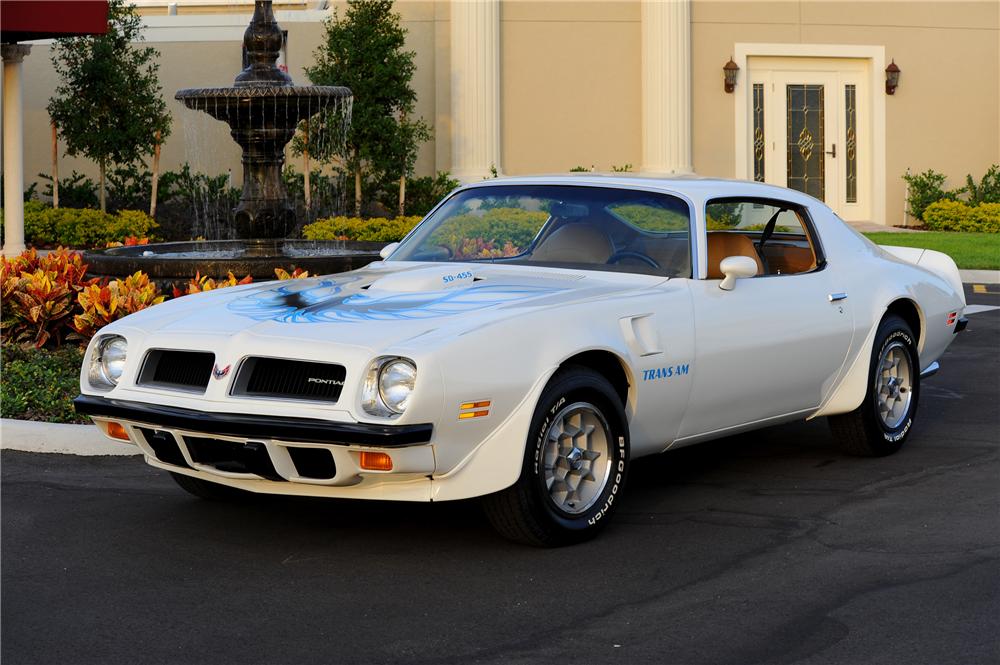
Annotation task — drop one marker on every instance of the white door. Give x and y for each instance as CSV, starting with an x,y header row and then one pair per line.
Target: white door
x,y
770,347
811,130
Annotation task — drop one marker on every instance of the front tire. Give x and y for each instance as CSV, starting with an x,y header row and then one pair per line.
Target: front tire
x,y
574,468
882,423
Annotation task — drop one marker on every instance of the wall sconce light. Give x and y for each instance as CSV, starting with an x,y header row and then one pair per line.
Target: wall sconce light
x,y
891,78
730,70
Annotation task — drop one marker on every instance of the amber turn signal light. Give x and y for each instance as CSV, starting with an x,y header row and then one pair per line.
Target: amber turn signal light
x,y
117,431
376,461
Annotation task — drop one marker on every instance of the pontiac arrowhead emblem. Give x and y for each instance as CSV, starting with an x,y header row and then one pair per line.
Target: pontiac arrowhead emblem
x,y
220,373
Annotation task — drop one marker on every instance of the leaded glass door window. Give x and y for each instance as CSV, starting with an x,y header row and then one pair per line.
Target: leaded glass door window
x,y
809,133
808,129
806,138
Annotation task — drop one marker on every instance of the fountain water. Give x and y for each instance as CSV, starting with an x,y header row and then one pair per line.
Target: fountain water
x,y
263,107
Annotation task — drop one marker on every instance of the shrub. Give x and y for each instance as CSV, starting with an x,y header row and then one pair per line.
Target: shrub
x,y
38,294
926,188
102,304
206,283
422,194
83,227
298,273
354,228
75,191
39,384
957,216
987,190
648,218
495,227
36,305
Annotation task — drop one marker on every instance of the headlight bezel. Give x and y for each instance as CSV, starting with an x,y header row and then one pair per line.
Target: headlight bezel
x,y
99,374
374,401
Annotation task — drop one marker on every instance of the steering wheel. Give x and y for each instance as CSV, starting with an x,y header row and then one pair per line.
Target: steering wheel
x,y
629,254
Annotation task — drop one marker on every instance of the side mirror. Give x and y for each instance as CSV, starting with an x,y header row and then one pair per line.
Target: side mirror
x,y
735,267
388,249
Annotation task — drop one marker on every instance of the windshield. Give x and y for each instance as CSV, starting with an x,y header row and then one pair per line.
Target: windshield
x,y
567,226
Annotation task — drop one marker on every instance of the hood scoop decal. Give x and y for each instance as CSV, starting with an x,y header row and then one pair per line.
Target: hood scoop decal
x,y
425,280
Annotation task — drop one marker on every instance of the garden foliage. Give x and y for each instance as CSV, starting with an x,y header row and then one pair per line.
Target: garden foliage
x,y
39,384
82,227
927,188
355,228
948,215
364,50
104,303
109,104
200,283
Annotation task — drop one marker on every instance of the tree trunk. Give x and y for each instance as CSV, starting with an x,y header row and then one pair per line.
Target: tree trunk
x,y
402,195
307,190
104,207
55,166
357,185
156,176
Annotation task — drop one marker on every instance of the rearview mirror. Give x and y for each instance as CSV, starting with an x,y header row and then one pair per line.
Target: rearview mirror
x,y
736,267
388,249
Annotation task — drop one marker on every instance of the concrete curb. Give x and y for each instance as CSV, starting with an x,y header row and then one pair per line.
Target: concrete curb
x,y
38,437
980,276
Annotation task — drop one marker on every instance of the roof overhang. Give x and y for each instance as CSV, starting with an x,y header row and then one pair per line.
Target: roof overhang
x,y
25,20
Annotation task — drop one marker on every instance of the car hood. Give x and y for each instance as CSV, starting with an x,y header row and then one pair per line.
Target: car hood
x,y
381,304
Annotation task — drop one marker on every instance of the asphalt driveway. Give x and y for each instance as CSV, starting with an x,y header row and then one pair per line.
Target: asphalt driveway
x,y
770,547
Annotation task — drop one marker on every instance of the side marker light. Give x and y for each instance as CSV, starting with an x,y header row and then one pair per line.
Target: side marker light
x,y
117,431
376,461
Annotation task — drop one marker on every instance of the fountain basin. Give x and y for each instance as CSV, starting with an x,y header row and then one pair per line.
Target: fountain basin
x,y
177,262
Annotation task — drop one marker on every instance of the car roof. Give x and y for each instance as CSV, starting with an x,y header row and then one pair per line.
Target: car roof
x,y
694,187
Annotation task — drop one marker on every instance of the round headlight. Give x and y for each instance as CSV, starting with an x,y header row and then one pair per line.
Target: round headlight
x,y
395,384
112,358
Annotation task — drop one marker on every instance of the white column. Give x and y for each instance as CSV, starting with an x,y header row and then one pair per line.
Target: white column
x,y
666,86
475,88
13,148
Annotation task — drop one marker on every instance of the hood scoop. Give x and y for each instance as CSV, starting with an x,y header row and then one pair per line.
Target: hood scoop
x,y
422,280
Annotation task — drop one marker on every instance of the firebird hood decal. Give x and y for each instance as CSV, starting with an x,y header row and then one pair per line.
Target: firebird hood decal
x,y
327,302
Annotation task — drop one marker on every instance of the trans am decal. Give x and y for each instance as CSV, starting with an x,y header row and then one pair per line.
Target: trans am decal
x,y
661,373
325,302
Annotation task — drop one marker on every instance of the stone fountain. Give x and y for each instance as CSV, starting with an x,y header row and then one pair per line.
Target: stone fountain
x,y
263,107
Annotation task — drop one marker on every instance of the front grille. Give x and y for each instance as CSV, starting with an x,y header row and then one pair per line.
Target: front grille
x,y
164,445
290,379
183,370
232,456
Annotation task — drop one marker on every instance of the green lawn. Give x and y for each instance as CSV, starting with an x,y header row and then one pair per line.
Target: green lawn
x,y
970,250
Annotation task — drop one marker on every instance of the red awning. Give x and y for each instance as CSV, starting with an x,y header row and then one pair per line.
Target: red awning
x,y
23,20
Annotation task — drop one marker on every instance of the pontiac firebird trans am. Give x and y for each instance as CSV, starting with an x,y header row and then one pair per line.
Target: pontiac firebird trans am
x,y
525,342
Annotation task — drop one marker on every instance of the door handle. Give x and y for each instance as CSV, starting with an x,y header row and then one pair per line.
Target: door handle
x,y
834,297
833,153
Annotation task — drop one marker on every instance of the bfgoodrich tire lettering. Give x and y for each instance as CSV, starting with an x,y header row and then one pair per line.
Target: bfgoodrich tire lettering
x,y
575,464
884,420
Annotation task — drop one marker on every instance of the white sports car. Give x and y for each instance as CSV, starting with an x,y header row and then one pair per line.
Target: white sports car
x,y
525,342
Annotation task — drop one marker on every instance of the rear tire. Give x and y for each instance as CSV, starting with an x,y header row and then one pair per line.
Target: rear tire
x,y
882,423
574,468
209,491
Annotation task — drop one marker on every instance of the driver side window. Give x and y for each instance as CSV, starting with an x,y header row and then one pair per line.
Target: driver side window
x,y
773,233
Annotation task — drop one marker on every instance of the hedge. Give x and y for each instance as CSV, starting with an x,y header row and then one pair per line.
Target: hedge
x,y
957,216
82,227
354,228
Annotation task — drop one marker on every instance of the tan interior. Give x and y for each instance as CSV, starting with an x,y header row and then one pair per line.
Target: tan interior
x,y
788,259
575,243
722,244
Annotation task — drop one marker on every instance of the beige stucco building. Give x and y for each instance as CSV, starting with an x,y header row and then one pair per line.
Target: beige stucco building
x,y
537,87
